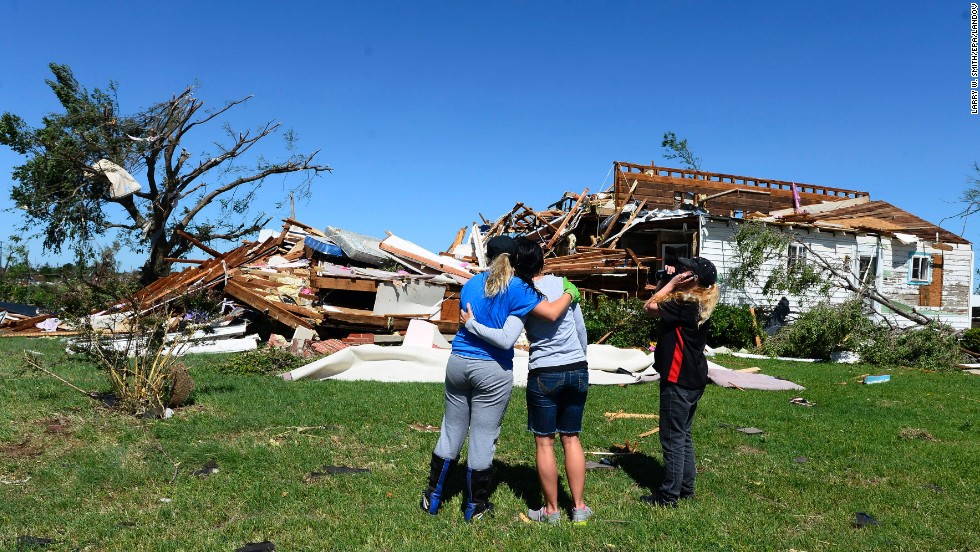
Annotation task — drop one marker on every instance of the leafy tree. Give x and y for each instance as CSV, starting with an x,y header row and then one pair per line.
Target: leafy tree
x,y
756,245
207,195
678,149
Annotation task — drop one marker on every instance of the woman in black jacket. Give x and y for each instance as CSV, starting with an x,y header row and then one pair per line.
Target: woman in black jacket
x,y
684,303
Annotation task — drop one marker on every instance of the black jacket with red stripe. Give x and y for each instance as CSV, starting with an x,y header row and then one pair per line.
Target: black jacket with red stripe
x,y
679,356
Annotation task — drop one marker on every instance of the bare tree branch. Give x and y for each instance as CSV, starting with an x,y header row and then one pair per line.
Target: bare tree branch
x,y
288,167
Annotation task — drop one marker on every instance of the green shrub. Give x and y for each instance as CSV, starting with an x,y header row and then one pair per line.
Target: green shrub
x,y
630,326
820,331
731,326
933,347
264,361
971,340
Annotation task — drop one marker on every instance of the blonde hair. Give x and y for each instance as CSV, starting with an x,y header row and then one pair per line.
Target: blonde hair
x,y
501,271
706,298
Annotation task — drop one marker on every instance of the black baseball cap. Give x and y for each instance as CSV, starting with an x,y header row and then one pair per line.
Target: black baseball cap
x,y
500,244
702,268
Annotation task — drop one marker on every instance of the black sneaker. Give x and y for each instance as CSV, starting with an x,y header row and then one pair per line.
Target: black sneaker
x,y
658,501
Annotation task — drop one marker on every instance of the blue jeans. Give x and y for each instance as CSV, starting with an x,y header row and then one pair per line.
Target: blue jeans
x,y
556,400
677,407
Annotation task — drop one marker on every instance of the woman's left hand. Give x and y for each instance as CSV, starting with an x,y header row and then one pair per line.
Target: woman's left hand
x,y
683,279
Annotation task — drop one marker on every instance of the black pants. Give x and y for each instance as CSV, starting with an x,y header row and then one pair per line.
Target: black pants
x,y
677,406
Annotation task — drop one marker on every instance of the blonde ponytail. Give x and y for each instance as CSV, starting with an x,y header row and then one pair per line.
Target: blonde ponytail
x,y
499,277
706,298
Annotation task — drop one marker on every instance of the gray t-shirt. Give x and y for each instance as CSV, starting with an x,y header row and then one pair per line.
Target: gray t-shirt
x,y
552,343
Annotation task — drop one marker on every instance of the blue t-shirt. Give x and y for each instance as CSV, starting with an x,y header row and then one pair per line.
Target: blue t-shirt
x,y
518,300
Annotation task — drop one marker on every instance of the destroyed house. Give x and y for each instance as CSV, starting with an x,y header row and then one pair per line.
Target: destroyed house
x,y
915,264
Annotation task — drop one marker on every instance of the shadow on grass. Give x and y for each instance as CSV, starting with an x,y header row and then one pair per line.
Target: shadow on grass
x,y
521,479
645,470
523,482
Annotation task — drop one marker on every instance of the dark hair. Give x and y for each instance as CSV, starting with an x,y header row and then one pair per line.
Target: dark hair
x,y
528,260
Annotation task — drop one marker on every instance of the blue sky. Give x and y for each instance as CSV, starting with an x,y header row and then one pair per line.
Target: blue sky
x,y
433,112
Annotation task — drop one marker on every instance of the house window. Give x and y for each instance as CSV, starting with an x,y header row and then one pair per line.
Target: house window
x,y
795,256
919,266
671,252
867,268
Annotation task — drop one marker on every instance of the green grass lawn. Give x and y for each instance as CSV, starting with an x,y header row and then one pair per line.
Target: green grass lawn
x,y
905,452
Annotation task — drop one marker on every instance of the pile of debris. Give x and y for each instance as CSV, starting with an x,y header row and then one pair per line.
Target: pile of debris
x,y
337,284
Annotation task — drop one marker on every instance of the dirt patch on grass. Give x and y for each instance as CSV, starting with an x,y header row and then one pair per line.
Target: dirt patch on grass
x,y
24,449
56,426
915,433
745,449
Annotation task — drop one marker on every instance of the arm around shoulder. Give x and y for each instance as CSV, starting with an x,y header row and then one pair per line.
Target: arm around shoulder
x,y
552,310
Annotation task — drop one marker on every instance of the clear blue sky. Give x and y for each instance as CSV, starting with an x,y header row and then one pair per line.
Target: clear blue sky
x,y
431,112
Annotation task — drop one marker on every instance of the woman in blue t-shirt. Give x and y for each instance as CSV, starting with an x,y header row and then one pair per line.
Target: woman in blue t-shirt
x,y
557,385
479,378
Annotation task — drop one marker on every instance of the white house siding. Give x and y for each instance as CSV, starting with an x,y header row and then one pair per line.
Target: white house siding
x,y
717,244
956,288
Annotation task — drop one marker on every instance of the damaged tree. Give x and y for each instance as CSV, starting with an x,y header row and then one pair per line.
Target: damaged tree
x,y
757,244
65,185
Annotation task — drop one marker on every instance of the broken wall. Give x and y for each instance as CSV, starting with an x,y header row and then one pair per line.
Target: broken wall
x,y
891,269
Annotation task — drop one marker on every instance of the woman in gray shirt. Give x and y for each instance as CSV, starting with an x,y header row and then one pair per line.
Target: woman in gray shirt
x,y
557,385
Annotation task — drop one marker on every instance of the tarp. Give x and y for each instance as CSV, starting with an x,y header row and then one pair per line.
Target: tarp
x,y
427,364
323,245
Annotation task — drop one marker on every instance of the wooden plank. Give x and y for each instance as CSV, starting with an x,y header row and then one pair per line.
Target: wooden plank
x,y
362,318
264,306
457,241
349,284
300,311
425,261
628,222
564,222
198,243
619,211
449,310
633,256
309,229
931,295
635,170
27,323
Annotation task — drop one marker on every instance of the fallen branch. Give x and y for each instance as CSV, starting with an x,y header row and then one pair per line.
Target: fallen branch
x,y
176,464
610,416
34,363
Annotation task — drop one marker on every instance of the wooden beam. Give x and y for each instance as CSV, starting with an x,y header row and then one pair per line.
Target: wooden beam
x,y
198,243
309,229
628,222
264,306
561,228
339,282
619,211
633,256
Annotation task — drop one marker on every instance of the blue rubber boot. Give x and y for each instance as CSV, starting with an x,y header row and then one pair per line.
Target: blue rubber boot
x,y
478,483
439,469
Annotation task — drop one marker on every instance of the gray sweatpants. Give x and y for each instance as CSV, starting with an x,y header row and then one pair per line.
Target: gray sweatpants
x,y
477,395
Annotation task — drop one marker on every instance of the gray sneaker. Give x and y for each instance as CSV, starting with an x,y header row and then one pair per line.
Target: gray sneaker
x,y
580,516
543,516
